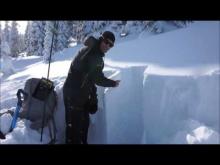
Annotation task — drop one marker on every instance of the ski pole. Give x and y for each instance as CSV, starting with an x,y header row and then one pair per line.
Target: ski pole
x,y
51,48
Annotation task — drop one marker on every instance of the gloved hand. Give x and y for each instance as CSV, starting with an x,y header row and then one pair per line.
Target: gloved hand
x,y
117,83
92,103
91,106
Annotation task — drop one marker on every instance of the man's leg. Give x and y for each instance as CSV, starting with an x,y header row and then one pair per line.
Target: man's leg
x,y
85,128
73,122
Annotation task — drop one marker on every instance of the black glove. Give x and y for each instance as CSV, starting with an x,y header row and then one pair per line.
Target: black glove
x,y
93,108
92,103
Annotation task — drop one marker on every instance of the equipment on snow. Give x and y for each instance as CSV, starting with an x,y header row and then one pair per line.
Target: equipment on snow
x,y
37,110
46,86
39,103
19,105
43,89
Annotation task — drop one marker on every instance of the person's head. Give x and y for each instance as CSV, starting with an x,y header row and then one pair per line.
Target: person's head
x,y
107,40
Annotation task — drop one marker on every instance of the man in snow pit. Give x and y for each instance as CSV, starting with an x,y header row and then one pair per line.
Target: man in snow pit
x,y
79,90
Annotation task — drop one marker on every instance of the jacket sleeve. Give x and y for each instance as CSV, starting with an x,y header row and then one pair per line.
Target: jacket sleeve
x,y
101,80
97,76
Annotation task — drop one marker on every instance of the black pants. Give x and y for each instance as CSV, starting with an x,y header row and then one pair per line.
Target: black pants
x,y
77,123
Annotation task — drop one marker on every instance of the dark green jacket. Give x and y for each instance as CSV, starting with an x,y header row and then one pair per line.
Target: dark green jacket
x,y
86,71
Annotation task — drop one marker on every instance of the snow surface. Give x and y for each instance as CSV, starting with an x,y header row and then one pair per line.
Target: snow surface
x,y
169,90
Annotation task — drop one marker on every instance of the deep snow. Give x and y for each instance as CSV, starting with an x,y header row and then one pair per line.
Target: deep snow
x,y
169,90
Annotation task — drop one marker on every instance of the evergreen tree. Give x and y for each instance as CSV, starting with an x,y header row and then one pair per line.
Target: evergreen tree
x,y
41,35
21,43
79,31
181,24
6,62
125,28
34,37
14,39
0,32
88,28
116,26
99,25
82,29
6,33
76,25
27,36
50,28
65,30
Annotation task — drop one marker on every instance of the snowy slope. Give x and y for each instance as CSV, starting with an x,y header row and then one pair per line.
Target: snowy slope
x,y
177,89
169,91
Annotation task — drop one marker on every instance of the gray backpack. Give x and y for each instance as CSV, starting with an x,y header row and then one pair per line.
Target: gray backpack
x,y
33,108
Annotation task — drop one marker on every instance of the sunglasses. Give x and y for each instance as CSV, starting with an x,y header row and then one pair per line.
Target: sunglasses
x,y
108,42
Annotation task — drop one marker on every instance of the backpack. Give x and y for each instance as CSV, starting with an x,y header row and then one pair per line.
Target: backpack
x,y
89,41
39,110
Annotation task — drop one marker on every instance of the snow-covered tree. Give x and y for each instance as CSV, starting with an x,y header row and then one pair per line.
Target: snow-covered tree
x,y
6,61
14,39
181,24
88,27
32,39
158,27
75,33
5,49
99,25
0,39
36,36
27,38
65,30
115,26
21,43
41,35
81,29
50,29
6,33
163,26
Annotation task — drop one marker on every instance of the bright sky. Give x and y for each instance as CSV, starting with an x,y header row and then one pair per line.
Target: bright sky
x,y
21,25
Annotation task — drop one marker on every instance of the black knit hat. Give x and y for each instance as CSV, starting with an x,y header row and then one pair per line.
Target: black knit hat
x,y
109,35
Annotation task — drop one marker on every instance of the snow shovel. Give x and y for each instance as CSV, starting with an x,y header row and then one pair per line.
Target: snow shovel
x,y
19,104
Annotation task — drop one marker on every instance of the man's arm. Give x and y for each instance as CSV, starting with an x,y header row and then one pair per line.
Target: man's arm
x,y
97,76
101,80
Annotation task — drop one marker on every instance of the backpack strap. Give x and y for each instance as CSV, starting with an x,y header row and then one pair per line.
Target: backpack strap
x,y
44,111
30,97
52,134
52,121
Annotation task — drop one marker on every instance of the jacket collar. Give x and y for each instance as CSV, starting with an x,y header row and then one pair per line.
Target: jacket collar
x,y
97,48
